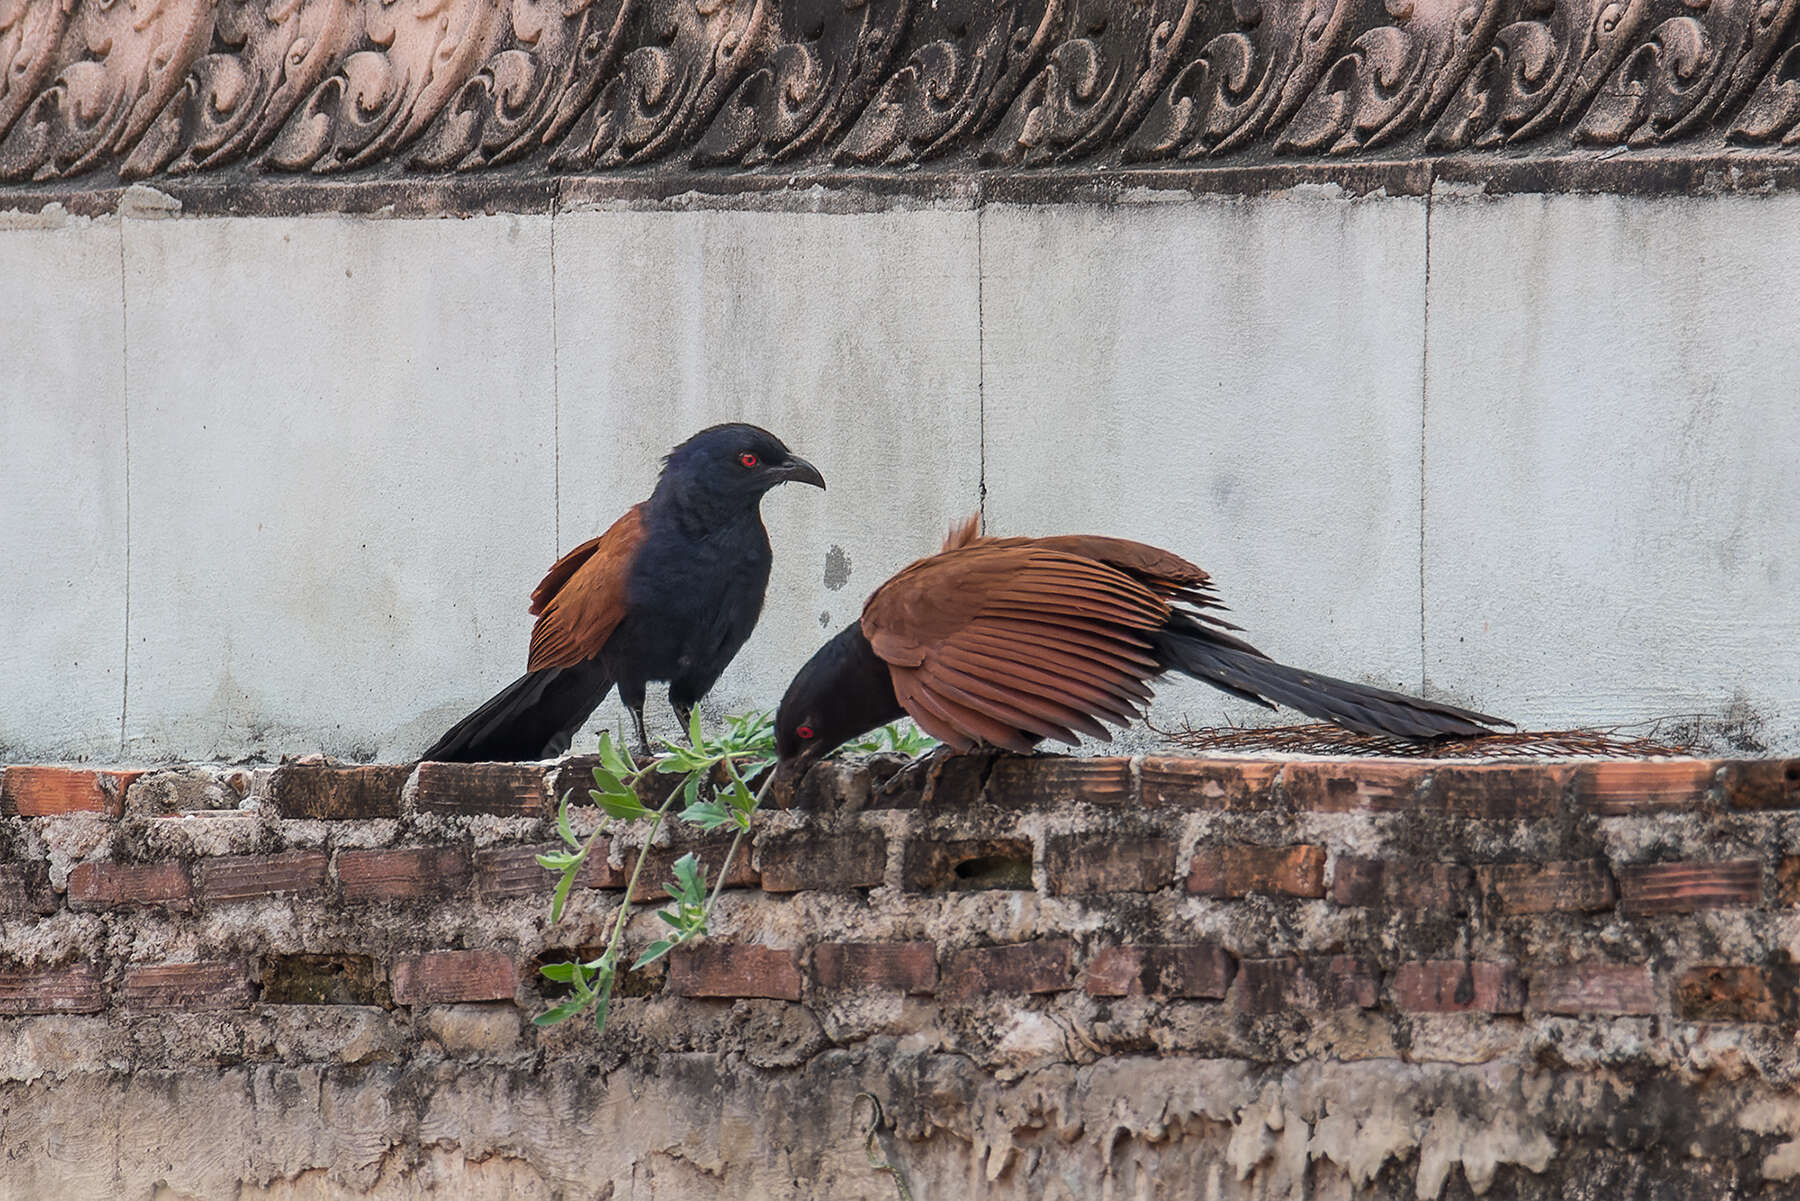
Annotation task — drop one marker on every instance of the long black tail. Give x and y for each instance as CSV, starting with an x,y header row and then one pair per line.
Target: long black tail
x,y
1242,670
534,717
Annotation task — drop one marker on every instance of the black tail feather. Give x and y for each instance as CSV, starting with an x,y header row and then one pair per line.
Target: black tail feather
x,y
534,717
1360,707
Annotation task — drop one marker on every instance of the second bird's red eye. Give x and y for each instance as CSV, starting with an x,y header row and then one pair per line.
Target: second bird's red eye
x,y
805,731
747,459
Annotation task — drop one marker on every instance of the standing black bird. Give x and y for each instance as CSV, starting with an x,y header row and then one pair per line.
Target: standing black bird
x,y
670,592
1008,641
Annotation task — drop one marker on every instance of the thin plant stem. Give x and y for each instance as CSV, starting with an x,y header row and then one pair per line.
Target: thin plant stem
x,y
725,868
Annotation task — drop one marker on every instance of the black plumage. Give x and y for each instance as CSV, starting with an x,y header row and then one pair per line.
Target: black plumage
x,y
669,593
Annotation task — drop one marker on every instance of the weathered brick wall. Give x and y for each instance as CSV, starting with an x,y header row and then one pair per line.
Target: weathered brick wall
x,y
1061,978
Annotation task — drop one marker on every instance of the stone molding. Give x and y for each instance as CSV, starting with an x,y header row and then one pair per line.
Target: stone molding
x,y
105,92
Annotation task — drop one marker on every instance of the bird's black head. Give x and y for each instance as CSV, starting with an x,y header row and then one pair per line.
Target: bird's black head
x,y
844,690
731,466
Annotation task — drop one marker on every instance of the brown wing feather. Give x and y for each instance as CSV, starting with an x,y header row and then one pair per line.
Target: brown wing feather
x,y
582,599
1009,641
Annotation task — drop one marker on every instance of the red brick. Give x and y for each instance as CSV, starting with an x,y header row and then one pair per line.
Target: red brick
x,y
1099,862
444,976
1761,783
405,874
504,789
1685,887
734,970
222,984
515,871
109,885
1286,984
58,990
1787,881
1368,785
905,967
1402,884
1238,871
1573,886
1734,993
966,864
1215,784
1046,965
1502,792
1196,970
334,792
25,889
711,851
241,877
1600,988
29,791
1048,781
1458,986
806,860
1637,785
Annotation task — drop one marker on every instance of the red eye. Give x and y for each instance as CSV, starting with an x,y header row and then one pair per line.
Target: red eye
x,y
747,459
805,731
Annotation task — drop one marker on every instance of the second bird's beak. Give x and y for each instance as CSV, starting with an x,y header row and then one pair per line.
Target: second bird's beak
x,y
799,471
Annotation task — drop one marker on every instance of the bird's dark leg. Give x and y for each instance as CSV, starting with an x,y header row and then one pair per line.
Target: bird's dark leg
x,y
632,693
682,714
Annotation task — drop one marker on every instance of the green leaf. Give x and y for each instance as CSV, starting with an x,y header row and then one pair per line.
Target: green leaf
x,y
560,897
708,815
691,877
561,972
556,861
562,824
694,725
609,783
653,952
559,1013
623,806
617,762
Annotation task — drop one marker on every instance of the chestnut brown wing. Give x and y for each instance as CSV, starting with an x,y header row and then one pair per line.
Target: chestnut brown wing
x,y
583,596
1010,641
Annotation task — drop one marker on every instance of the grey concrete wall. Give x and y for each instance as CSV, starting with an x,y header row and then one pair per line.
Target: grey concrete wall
x,y
282,485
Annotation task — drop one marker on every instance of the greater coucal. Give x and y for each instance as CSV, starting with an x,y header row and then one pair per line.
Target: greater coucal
x,y
1008,641
669,592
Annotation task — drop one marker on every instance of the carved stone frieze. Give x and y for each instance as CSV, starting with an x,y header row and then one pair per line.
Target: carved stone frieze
x,y
114,91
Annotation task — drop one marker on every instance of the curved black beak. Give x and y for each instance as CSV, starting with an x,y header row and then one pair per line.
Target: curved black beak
x,y
799,471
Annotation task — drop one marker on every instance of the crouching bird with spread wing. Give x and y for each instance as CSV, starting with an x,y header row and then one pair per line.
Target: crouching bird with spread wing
x,y
669,592
1009,641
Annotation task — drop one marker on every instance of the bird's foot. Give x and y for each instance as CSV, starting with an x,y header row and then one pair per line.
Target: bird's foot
x,y
916,774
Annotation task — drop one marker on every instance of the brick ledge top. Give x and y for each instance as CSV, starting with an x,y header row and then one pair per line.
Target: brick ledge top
x,y
1516,789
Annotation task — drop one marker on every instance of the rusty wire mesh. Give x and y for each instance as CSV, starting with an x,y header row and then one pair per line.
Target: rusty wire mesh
x,y
1322,739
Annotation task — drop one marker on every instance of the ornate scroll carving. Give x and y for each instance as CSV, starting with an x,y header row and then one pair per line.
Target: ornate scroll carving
x,y
105,90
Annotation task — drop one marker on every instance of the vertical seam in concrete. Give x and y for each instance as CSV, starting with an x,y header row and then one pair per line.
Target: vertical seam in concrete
x,y
555,397
1424,400
125,427
980,370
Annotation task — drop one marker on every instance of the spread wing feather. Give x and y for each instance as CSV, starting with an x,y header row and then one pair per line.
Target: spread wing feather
x,y
1010,641
583,597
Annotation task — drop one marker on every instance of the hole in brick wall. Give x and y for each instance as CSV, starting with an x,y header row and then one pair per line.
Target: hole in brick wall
x,y
323,980
1010,869
967,864
641,982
